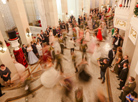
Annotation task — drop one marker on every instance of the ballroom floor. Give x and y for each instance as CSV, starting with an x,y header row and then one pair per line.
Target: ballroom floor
x,y
90,89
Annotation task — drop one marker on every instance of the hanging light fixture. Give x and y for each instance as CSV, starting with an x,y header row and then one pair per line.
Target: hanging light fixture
x,y
2,49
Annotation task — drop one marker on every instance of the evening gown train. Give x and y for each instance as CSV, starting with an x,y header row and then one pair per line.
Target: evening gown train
x,y
99,34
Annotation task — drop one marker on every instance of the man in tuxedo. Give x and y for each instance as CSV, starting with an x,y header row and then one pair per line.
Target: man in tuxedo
x,y
42,36
1,94
123,75
54,31
46,38
111,56
117,40
47,30
79,20
103,66
129,87
25,51
120,66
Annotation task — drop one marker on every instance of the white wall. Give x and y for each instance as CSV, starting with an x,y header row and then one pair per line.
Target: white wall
x,y
30,8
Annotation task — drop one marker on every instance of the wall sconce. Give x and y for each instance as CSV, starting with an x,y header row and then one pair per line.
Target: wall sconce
x,y
28,33
2,49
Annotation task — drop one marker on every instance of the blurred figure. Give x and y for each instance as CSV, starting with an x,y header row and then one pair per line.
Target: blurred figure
x,y
28,88
79,95
101,97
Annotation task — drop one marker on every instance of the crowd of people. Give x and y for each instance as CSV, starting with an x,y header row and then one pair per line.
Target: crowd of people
x,y
87,32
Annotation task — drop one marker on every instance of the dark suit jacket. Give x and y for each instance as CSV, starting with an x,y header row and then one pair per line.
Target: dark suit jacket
x,y
123,74
122,63
110,54
34,49
25,51
119,42
54,32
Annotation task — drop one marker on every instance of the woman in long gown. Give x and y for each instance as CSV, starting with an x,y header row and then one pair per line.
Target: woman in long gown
x,y
97,53
70,30
89,22
104,31
77,31
31,56
20,71
50,77
92,44
99,34
51,37
87,35
39,49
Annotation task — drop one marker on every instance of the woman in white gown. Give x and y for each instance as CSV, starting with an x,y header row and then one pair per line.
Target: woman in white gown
x,y
39,49
97,53
20,71
89,22
31,56
50,77
51,37
77,31
87,35
70,30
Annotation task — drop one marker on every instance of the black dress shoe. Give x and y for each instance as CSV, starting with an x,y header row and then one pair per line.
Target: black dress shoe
x,y
118,88
103,82
2,95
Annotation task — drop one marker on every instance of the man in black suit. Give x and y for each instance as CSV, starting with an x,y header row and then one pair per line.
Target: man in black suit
x,y
34,49
103,66
120,66
54,31
117,40
46,38
47,30
1,94
79,20
123,75
42,36
67,27
111,56
25,51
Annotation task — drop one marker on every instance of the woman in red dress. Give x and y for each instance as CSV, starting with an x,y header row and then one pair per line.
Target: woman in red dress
x,y
99,34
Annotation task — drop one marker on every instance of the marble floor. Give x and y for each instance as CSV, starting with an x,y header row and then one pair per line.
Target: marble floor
x,y
89,90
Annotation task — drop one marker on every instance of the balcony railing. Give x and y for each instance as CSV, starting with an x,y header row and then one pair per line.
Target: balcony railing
x,y
122,13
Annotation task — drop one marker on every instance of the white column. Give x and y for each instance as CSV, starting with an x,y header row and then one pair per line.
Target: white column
x,y
20,18
5,57
101,2
87,6
93,4
51,12
64,9
42,13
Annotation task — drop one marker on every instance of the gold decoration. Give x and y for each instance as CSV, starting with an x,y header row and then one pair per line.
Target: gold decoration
x,y
133,33
120,23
